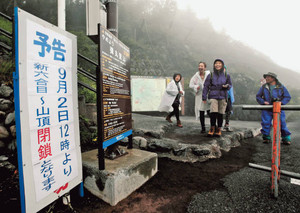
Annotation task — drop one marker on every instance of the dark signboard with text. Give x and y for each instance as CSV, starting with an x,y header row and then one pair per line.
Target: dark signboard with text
x,y
115,83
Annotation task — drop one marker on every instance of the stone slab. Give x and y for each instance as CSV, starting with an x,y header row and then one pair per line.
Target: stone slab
x,y
121,176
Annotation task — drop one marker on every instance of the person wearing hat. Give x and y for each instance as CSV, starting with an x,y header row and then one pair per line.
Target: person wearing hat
x,y
272,91
215,89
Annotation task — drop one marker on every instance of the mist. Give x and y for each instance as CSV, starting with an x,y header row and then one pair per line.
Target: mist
x,y
164,40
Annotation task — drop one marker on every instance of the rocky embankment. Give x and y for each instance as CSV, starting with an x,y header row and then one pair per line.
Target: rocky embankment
x,y
7,125
186,144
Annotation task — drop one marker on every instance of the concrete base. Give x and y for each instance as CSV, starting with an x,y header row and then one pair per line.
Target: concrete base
x,y
121,176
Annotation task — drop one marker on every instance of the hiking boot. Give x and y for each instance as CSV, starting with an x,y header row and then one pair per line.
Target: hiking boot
x,y
203,130
218,132
211,131
226,128
266,138
286,140
179,124
168,118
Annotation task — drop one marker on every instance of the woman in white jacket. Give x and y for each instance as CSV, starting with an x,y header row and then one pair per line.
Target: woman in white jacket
x,y
171,98
196,83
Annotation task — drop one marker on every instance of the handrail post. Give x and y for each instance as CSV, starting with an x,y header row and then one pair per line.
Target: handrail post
x,y
275,176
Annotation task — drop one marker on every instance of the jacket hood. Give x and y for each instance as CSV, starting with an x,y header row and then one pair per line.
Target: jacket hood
x,y
220,60
174,76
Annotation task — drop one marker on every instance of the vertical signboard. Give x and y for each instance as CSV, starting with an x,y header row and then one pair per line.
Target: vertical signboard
x,y
115,83
46,103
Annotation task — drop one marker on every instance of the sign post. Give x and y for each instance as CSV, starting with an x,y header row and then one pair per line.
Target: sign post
x,y
46,103
114,119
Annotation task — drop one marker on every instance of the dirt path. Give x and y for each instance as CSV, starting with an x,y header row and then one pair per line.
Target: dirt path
x,y
171,189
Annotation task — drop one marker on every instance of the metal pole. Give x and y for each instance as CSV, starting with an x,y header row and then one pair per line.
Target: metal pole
x,y
100,137
112,16
61,14
275,175
262,107
112,26
282,172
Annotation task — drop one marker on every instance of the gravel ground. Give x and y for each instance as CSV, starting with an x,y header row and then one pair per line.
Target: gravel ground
x,y
248,190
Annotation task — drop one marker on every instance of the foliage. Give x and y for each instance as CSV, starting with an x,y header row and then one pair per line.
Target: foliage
x,y
6,70
7,26
86,135
90,96
88,49
6,60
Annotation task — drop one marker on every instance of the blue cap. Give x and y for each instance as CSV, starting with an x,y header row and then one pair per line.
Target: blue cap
x,y
219,60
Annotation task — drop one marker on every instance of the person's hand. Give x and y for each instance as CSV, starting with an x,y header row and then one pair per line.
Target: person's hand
x,y
181,92
204,102
225,86
266,103
198,88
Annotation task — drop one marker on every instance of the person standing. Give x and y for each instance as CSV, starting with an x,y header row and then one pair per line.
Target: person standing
x,y
215,89
172,98
228,111
196,83
272,91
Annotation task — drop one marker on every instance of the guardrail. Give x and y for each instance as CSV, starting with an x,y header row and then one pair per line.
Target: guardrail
x,y
275,165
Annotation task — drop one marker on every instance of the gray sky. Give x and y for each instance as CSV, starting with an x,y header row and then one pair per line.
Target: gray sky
x,y
269,26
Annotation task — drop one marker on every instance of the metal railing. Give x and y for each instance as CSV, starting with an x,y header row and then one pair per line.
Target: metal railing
x,y
264,107
275,163
80,70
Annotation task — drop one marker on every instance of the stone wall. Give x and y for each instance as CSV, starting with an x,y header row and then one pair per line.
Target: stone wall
x,y
7,119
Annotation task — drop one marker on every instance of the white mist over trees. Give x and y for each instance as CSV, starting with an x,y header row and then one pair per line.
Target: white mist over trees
x,y
164,40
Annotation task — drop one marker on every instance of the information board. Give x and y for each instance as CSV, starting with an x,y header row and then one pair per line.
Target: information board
x,y
46,103
147,92
115,82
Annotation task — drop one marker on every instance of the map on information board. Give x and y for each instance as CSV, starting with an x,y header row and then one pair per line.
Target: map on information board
x,y
146,92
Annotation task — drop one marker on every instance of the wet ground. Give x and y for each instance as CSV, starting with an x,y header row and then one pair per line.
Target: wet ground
x,y
218,185
170,190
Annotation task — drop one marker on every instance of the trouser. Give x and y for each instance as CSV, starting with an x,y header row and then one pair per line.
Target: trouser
x,y
202,118
175,111
214,116
228,111
227,117
266,124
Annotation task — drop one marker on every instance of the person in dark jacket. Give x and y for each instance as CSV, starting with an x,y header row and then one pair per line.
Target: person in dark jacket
x,y
229,108
215,89
272,91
